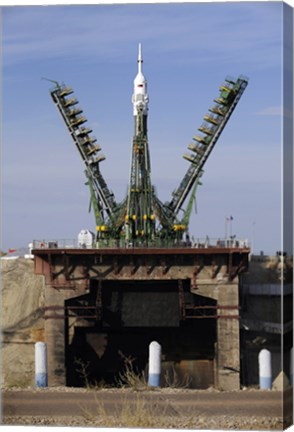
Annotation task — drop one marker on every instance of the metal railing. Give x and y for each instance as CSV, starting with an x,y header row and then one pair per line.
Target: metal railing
x,y
156,243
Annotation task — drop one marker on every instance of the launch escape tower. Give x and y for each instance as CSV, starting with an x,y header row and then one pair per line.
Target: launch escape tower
x,y
141,218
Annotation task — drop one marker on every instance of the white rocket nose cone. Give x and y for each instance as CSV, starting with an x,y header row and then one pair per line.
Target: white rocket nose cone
x,y
140,97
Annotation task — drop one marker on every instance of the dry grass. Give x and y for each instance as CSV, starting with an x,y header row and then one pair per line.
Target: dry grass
x,y
130,377
138,414
82,369
173,380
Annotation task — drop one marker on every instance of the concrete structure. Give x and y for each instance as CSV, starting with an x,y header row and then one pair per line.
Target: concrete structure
x,y
266,302
103,304
189,345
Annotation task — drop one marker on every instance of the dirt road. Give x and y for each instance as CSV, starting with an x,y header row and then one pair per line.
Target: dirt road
x,y
249,409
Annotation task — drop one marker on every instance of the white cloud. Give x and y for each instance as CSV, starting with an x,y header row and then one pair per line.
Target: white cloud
x,y
271,111
278,111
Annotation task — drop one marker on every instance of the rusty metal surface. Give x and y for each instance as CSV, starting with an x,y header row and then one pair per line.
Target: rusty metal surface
x,y
68,312
200,373
142,251
79,312
72,269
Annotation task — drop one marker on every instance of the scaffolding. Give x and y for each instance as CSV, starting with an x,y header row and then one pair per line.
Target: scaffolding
x,y
141,215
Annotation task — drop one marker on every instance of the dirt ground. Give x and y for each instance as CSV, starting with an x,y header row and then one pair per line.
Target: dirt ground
x,y
22,298
159,408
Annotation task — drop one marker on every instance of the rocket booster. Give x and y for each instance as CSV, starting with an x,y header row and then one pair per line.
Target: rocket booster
x,y
140,96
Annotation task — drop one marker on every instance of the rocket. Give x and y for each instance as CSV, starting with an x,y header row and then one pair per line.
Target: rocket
x,y
140,97
139,212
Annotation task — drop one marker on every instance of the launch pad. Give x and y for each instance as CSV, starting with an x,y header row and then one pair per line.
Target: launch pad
x,y
104,302
141,276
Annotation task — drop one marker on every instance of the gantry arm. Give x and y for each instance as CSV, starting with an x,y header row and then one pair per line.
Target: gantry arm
x,y
214,123
102,198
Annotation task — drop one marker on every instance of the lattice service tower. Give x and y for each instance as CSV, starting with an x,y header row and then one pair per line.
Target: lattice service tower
x,y
142,219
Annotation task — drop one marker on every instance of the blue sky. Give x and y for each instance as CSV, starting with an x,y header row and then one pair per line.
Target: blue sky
x,y
188,50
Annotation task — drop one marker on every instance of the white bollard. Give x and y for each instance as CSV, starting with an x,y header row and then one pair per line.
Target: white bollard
x,y
265,369
154,364
41,375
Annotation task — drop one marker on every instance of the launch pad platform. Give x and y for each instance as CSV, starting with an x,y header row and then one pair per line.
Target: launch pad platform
x,y
101,304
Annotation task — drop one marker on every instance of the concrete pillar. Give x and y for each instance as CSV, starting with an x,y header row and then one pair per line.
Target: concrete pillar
x,y
228,340
55,329
41,375
54,335
265,369
154,364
